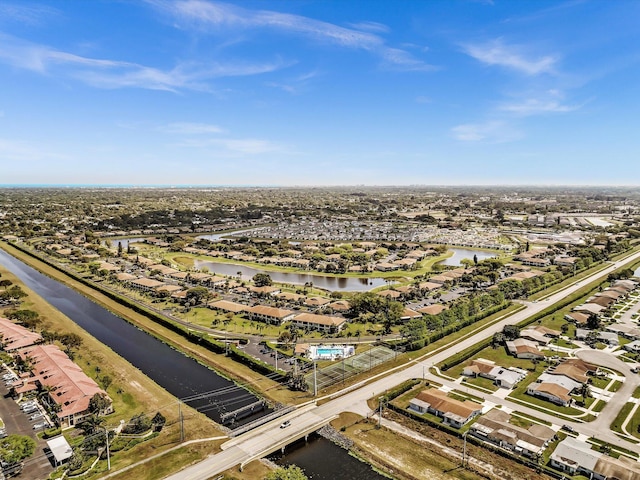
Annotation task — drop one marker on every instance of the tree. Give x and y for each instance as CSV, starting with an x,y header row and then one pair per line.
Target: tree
x,y
70,340
511,332
138,424
262,280
106,381
292,472
158,421
16,448
197,294
90,424
99,403
28,318
593,321
119,249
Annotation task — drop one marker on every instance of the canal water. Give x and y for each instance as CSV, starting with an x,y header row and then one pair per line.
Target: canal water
x,y
462,253
352,284
181,375
320,461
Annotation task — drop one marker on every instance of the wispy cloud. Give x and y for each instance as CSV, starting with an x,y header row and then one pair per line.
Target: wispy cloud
x,y
210,16
105,73
26,14
536,106
204,135
494,131
512,57
186,128
295,85
242,146
370,27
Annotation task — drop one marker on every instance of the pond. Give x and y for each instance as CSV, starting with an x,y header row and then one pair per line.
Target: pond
x,y
325,282
460,254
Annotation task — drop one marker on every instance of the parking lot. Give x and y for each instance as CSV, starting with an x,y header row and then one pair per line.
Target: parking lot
x,y
18,422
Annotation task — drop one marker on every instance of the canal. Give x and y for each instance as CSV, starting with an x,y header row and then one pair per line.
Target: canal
x,y
181,375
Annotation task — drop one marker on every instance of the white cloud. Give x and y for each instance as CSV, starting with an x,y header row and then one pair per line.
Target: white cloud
x,y
370,27
535,106
104,73
27,14
187,128
512,57
212,16
241,146
494,131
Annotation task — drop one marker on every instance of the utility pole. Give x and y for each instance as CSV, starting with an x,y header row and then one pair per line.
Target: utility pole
x,y
181,419
106,434
380,402
276,349
315,380
464,448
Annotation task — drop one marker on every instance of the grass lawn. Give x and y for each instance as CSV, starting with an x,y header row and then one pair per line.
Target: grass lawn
x,y
132,391
632,426
498,355
267,387
519,393
481,382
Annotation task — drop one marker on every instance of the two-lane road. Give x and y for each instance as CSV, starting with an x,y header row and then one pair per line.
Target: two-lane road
x,y
354,400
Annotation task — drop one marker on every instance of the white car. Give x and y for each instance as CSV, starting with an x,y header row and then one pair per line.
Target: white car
x,y
41,425
285,424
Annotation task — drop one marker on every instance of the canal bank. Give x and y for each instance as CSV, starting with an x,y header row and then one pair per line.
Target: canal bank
x,y
129,341
202,388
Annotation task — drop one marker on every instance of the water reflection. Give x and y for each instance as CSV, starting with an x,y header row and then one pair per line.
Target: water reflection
x,y
320,281
462,253
322,460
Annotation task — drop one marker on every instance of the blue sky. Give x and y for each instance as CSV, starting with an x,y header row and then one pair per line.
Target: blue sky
x,y
320,92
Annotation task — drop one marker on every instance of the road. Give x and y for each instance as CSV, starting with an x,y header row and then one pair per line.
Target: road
x,y
354,398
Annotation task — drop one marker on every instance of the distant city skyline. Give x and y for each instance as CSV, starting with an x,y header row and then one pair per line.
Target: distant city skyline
x,y
319,93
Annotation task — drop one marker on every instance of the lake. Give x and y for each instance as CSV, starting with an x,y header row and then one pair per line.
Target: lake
x,y
460,254
325,282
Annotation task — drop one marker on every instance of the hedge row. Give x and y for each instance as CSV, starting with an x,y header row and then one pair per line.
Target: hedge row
x,y
400,389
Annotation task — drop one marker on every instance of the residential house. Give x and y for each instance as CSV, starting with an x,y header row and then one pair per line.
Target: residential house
x,y
575,457
501,376
495,427
454,412
521,348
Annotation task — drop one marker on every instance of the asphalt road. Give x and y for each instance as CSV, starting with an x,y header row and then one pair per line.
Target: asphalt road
x,y
354,398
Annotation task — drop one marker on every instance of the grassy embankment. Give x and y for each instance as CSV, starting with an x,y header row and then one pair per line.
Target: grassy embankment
x,y
132,393
219,362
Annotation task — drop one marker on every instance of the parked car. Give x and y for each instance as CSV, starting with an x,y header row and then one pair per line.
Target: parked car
x,y
41,425
35,416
